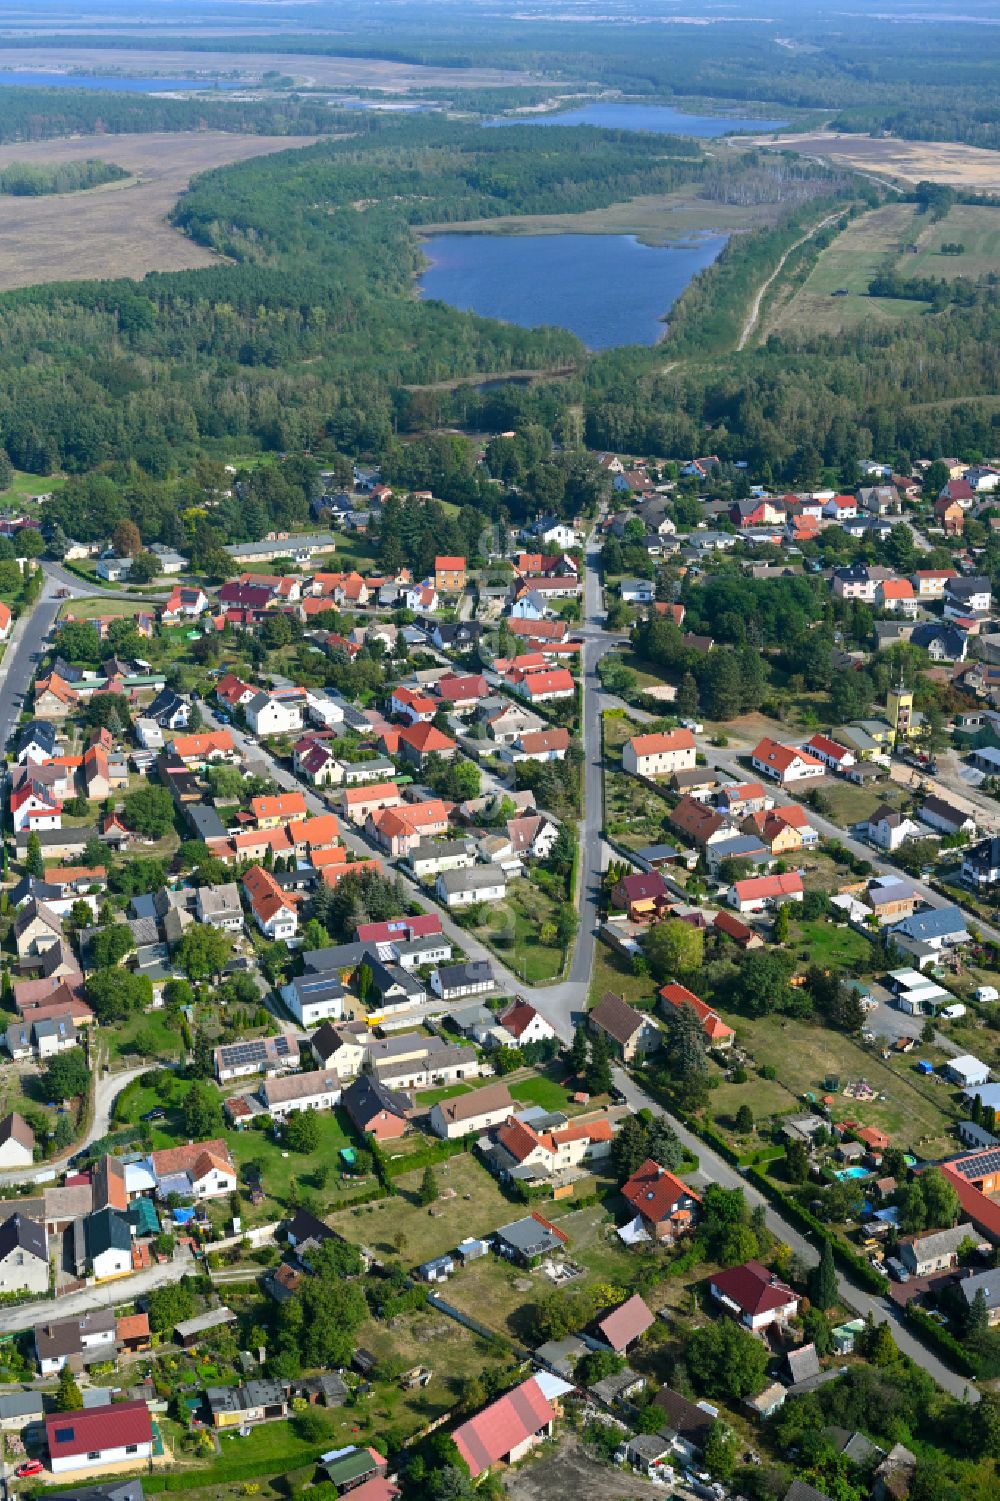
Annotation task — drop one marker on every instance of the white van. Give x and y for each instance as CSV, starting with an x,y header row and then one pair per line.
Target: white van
x,y
952,1013
987,993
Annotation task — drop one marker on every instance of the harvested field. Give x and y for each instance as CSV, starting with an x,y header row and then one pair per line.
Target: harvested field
x,y
974,227
914,161
120,229
307,69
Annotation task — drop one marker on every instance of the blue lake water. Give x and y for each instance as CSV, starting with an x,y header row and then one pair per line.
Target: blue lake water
x,y
607,289
658,118
27,80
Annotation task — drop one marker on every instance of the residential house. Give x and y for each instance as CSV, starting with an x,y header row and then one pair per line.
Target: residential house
x,y
220,907
376,1110
743,936
785,763
754,1295
758,892
198,1170
105,1436
949,515
449,574
969,598
76,1342
854,581
463,888
629,1033
24,1256
17,1142
716,1032
109,1244
945,817
455,981
981,865
659,755
525,1024
319,1089
316,997
942,642
987,1283
543,685
274,914
259,1055
922,1255
929,933
203,748
340,1048
930,583
830,752
888,828
472,1113
276,713
418,741
360,802
890,899
527,1240
667,1208
626,1323
506,1430
697,822
540,745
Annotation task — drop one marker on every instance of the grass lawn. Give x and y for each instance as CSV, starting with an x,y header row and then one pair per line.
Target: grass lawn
x,y
612,971
917,1112
446,1092
513,930
86,609
820,871
477,1207
539,1090
634,814
826,943
849,803
278,1166
147,1035
501,1296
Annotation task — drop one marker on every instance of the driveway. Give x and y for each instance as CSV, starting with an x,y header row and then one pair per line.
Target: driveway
x,y
108,1088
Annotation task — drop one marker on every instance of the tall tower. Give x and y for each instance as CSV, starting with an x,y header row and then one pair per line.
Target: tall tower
x,y
899,710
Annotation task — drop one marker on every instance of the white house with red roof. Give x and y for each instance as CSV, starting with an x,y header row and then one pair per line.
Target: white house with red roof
x,y
543,685
525,1024
206,1166
666,1206
507,1430
896,595
33,807
659,755
183,603
758,892
99,1436
418,741
413,705
6,620
785,763
837,757
274,914
754,1296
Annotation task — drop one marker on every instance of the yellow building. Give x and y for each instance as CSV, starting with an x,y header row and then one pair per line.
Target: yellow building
x,y
899,712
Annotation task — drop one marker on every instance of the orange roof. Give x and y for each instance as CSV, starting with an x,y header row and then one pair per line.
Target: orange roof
x,y
336,854
766,886
793,815
4,616
266,896
333,873
557,680
448,564
182,1159
425,738
281,805
57,686
654,745
64,873
203,744
132,1326
781,757
897,589
275,839
711,1022
377,792
321,830
652,1191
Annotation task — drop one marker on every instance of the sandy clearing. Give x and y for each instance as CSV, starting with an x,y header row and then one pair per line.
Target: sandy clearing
x,y
947,162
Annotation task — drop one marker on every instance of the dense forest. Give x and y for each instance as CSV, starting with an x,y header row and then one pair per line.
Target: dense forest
x,y
39,114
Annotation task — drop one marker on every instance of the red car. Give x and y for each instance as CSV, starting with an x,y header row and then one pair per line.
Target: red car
x,y
30,1467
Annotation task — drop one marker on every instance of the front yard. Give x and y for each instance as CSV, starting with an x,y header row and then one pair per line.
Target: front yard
x,y
521,930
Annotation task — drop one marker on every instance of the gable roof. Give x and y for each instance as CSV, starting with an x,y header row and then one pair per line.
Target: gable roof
x,y
626,1323
503,1426
753,1288
672,740
72,1434
614,1016
652,1191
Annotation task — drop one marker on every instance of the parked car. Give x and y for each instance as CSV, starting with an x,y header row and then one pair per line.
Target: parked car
x,y
156,1114
30,1467
896,1269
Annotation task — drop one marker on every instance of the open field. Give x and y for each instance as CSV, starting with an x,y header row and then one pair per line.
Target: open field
x,y
917,1112
306,68
865,247
913,161
120,229
478,1207
655,218
568,1473
975,227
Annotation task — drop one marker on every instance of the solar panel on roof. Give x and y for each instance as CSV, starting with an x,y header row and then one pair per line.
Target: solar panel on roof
x,y
981,1164
65,1435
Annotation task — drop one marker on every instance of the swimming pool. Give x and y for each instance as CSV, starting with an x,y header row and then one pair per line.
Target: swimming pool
x,y
852,1172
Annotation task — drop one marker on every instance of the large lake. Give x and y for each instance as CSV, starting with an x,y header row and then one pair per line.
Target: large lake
x,y
658,118
607,289
114,85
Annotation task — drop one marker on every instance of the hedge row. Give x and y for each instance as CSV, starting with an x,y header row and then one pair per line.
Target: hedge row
x,y
429,1157
849,1259
942,1339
